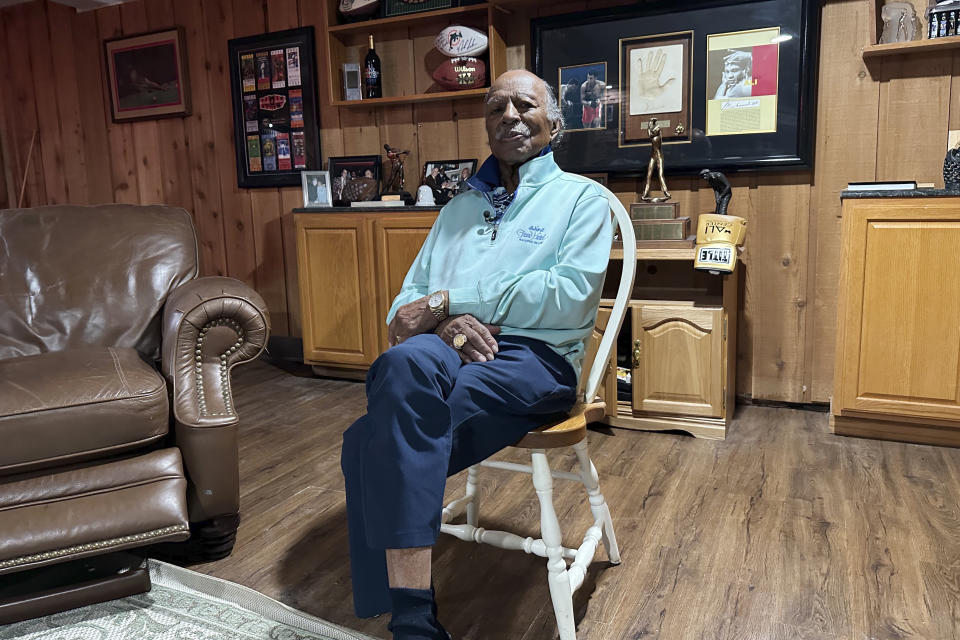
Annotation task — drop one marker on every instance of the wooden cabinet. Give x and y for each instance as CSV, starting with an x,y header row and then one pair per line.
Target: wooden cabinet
x,y
898,337
678,345
351,265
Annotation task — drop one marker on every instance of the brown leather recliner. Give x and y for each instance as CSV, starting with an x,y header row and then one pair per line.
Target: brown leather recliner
x,y
117,423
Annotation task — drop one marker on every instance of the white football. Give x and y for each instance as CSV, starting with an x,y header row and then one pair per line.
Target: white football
x,y
457,40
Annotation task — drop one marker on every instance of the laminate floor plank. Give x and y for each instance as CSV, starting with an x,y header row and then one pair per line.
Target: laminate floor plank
x,y
781,532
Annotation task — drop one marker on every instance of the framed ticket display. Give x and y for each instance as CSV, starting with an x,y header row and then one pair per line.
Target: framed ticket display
x,y
731,83
273,86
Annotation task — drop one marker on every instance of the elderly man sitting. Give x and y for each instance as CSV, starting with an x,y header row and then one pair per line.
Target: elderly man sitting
x,y
487,336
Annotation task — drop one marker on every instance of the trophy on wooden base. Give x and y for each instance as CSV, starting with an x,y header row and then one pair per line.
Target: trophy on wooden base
x,y
393,189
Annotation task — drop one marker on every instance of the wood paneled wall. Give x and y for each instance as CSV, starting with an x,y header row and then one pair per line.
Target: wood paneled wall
x,y
885,120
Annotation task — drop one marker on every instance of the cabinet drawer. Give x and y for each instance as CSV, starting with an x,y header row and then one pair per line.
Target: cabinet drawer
x,y
678,359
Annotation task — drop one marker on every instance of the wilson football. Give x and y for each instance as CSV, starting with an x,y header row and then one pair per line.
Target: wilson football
x,y
359,8
461,41
455,74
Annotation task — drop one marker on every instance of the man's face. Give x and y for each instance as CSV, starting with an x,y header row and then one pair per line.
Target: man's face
x,y
518,126
732,72
434,171
591,77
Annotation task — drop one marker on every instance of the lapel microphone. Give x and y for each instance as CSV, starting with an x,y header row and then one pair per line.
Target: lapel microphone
x,y
488,217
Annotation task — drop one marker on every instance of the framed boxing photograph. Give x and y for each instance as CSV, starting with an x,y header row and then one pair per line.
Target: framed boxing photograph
x,y
354,178
274,95
582,91
732,83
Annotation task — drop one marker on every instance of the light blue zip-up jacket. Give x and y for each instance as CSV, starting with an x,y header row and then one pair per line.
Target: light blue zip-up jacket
x,y
540,276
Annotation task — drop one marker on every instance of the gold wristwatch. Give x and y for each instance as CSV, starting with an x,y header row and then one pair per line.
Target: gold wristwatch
x,y
435,302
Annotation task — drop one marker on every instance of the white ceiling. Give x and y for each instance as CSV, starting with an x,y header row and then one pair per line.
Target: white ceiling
x,y
79,5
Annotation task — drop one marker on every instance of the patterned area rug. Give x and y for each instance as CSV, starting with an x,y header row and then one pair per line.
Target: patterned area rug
x,y
183,605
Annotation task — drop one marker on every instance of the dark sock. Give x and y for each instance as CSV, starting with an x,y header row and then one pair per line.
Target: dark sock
x,y
415,615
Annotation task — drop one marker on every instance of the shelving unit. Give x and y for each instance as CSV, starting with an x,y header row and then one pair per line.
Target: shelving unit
x,y
877,50
405,45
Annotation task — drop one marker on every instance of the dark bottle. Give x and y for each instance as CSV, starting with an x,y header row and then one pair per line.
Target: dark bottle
x,y
372,80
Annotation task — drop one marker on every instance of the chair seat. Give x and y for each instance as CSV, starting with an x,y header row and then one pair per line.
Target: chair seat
x,y
62,407
567,432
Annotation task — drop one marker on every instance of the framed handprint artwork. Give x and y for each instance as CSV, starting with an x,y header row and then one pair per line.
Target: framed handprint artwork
x,y
655,76
731,83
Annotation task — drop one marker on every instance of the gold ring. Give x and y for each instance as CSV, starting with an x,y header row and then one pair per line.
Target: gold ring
x,y
459,340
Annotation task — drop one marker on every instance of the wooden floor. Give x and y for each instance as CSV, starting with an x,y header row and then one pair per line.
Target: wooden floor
x,y
783,531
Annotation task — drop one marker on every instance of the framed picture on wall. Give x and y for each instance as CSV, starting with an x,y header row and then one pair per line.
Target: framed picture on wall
x,y
582,90
655,76
274,97
731,82
147,75
354,178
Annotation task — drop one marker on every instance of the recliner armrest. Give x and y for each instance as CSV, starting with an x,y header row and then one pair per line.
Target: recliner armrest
x,y
210,325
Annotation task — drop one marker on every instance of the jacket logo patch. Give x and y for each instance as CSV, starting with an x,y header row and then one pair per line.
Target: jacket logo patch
x,y
532,235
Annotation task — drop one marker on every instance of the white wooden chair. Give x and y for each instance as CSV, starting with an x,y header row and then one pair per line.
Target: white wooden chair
x,y
562,579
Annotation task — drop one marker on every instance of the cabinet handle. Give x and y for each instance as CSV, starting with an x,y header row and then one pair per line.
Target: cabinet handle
x,y
636,354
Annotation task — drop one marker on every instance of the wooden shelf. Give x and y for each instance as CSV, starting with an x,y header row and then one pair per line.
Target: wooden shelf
x,y
657,254
381,24
916,46
418,97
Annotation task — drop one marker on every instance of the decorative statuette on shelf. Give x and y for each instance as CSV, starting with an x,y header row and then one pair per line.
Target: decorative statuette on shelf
x,y
395,183
718,234
951,169
900,23
456,40
656,164
942,19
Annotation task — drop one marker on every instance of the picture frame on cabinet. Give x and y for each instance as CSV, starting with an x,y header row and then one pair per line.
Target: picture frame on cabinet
x,y
316,189
274,98
450,177
147,75
354,178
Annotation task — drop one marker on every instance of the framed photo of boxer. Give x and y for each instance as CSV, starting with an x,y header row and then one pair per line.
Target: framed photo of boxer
x,y
582,91
685,63
656,80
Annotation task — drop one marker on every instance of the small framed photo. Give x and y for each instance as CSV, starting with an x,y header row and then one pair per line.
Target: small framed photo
x,y
657,75
448,178
583,96
354,178
147,75
403,7
316,189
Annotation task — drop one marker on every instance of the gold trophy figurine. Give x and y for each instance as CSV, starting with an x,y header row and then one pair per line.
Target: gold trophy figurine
x,y
656,161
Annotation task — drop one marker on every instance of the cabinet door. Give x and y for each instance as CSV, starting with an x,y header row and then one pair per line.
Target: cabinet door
x,y
899,333
607,391
397,239
334,258
678,360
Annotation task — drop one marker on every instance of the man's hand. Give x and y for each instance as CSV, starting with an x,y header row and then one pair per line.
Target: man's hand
x,y
411,319
649,75
481,346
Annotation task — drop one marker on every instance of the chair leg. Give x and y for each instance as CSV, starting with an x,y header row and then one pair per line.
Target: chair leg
x,y
473,507
598,505
557,578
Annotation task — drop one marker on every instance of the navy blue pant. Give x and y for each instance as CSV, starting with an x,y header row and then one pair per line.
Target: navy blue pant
x,y
430,416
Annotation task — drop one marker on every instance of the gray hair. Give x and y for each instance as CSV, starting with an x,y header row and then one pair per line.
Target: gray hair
x,y
554,112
